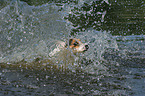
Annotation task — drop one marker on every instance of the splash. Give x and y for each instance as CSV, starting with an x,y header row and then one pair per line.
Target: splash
x,y
28,30
98,43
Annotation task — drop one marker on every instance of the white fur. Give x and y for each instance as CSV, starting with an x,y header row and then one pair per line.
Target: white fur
x,y
60,46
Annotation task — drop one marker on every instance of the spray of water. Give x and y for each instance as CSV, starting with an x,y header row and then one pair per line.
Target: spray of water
x,y
30,32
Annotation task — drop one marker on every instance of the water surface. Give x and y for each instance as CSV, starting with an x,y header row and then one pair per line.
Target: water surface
x,y
113,65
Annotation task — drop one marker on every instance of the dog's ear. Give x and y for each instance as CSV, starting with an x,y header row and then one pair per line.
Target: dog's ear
x,y
70,41
78,39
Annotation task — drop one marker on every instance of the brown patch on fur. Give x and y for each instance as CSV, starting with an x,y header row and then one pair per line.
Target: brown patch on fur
x,y
73,43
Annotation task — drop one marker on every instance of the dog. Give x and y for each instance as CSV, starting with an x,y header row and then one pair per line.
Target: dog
x,y
74,44
65,53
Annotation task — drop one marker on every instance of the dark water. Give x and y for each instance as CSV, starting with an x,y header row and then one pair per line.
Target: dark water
x,y
114,65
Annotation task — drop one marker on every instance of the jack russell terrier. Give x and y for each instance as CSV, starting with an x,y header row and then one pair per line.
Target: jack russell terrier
x,y
74,44
65,53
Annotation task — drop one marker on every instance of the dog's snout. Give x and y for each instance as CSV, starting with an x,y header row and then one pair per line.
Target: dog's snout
x,y
86,47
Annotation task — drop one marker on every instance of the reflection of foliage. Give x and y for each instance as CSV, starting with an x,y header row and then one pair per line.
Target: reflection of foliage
x,y
123,17
89,15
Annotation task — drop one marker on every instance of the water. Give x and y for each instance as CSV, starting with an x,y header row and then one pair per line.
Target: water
x,y
113,65
24,26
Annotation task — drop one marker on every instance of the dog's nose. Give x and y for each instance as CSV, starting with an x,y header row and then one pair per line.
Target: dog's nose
x,y
86,47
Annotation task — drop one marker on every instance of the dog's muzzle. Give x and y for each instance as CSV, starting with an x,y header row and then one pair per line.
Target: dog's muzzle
x,y
86,47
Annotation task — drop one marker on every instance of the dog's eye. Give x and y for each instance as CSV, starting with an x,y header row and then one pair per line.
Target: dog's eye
x,y
76,43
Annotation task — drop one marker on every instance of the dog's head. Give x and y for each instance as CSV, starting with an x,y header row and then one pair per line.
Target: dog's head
x,y
77,46
74,44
